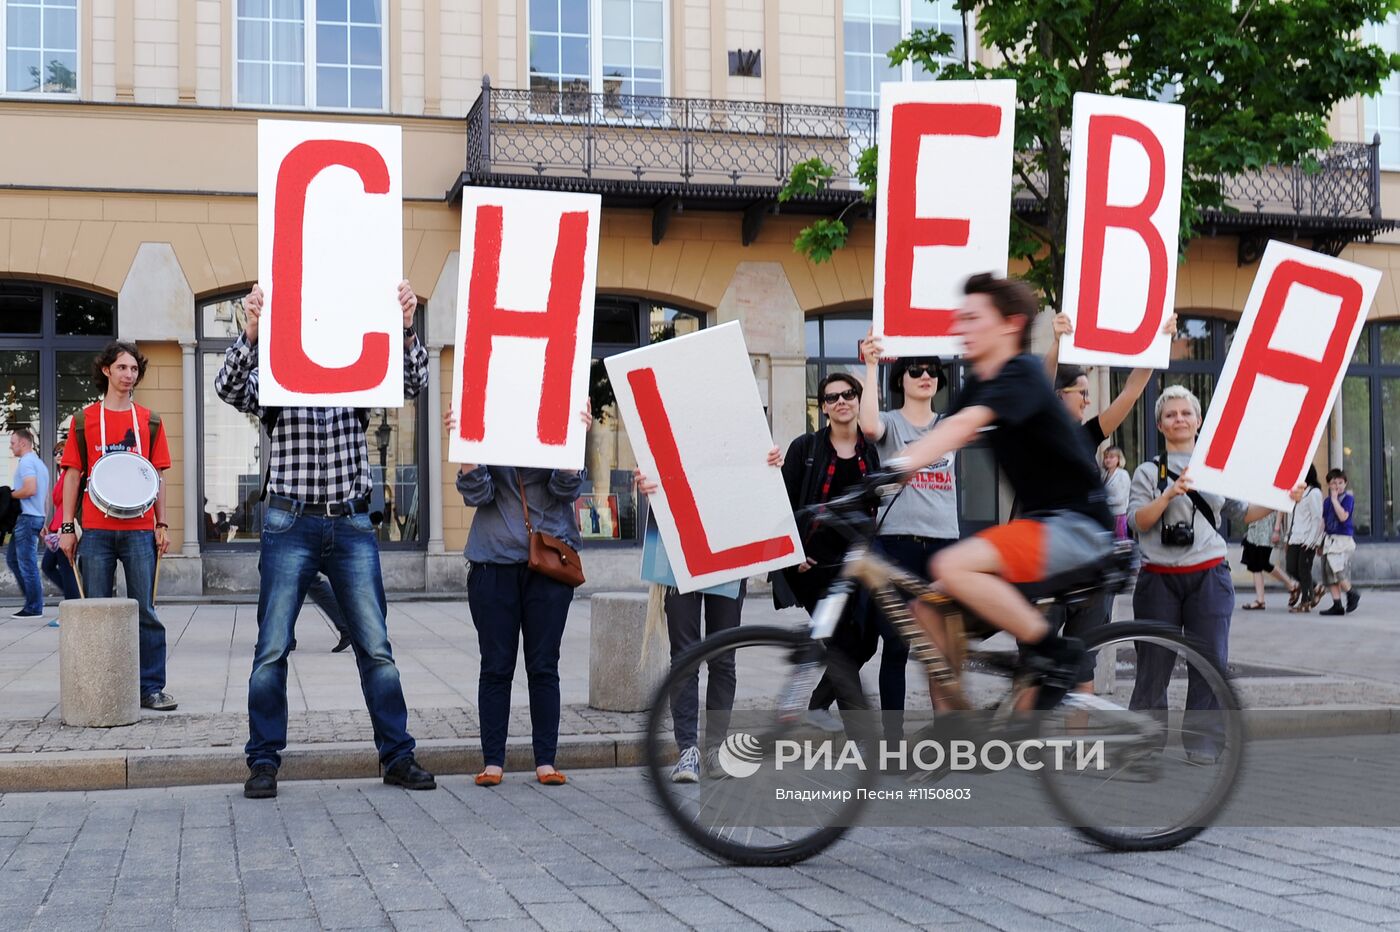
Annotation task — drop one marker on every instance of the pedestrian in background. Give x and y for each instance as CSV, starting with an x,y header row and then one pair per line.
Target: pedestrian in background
x,y
511,604
1259,540
1339,544
55,562
1305,532
30,487
1116,483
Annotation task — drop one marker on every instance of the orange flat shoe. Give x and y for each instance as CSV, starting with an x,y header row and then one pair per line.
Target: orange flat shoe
x,y
554,778
488,779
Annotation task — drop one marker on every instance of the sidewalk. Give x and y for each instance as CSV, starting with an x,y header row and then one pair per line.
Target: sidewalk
x,y
1279,660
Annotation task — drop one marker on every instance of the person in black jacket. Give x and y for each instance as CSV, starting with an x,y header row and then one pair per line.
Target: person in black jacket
x,y
818,467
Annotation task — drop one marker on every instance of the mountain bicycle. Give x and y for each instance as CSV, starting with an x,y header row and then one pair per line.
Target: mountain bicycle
x,y
1169,759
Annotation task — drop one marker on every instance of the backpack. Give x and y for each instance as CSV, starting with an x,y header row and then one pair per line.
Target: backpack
x,y
79,433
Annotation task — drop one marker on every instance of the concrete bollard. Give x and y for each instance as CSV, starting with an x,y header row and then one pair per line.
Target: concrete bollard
x,y
99,663
618,680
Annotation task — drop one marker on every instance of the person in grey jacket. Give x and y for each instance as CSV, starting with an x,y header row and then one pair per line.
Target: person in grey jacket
x,y
1185,580
510,603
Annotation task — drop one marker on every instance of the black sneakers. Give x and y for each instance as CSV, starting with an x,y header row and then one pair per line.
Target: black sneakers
x,y
1334,609
1353,600
261,782
160,700
407,774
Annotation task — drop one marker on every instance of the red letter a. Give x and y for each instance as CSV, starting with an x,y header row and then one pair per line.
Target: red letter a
x,y
293,369
557,325
1317,375
1099,216
700,558
904,231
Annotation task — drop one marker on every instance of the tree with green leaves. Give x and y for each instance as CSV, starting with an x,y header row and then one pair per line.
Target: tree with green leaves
x,y
1258,78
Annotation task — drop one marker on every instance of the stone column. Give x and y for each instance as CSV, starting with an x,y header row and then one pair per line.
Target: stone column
x,y
190,392
99,669
434,484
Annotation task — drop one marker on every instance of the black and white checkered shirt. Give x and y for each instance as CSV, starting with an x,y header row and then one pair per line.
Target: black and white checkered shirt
x,y
318,454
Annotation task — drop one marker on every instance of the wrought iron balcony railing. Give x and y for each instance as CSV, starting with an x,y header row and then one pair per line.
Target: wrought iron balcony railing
x,y
640,149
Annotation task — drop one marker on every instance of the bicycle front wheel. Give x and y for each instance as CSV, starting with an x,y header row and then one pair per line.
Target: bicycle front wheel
x,y
1172,740
740,805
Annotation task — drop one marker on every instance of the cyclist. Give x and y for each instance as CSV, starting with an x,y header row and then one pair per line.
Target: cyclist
x,y
1066,525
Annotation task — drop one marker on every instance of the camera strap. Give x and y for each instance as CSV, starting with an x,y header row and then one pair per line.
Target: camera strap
x,y
1165,477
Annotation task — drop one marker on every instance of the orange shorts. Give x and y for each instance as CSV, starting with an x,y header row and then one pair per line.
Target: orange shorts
x,y
1021,546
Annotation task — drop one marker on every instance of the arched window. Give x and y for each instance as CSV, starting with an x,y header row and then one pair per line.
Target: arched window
x,y
233,452
609,509
49,335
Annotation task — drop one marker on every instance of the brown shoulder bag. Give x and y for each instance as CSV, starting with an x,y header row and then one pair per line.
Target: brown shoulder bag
x,y
550,556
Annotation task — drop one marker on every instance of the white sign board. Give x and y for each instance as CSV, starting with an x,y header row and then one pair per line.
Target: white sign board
x,y
1123,224
330,259
944,205
529,263
697,426
1283,373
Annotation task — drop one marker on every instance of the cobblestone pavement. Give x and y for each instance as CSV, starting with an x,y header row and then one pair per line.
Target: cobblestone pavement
x,y
598,855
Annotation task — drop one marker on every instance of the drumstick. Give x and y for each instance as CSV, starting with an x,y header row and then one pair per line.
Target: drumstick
x,y
155,586
78,577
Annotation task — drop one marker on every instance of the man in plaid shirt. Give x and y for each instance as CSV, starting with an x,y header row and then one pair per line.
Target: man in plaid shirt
x,y
317,521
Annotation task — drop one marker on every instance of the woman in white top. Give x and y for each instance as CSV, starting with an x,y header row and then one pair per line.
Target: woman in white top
x,y
1304,537
1116,483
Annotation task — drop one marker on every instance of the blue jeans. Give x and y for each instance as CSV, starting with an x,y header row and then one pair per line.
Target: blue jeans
x,y
60,572
509,603
295,547
23,557
98,553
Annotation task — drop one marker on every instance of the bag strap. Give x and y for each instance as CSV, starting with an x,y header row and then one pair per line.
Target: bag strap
x,y
1197,502
524,505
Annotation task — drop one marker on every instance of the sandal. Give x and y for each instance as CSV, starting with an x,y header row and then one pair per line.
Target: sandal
x,y
1254,606
553,778
1295,594
1301,609
485,778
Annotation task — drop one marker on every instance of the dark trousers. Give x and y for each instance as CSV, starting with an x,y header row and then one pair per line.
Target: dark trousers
x,y
683,622
1080,620
1298,560
98,554
510,604
60,572
1198,605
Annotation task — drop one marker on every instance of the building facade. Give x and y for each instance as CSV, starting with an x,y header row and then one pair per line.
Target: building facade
x,y
128,208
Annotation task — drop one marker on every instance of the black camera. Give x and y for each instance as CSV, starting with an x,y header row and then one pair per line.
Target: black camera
x,y
1178,534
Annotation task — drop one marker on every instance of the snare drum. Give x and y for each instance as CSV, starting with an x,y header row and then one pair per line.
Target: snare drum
x,y
123,485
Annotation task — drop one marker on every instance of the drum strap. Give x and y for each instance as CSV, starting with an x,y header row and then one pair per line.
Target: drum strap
x,y
79,432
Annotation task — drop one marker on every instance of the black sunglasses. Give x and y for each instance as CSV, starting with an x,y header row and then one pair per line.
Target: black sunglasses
x,y
830,398
918,372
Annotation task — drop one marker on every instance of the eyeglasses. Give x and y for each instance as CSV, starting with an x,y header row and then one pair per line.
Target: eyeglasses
x,y
1076,391
830,398
918,372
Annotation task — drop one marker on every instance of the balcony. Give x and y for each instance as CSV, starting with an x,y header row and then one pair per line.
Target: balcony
x,y
673,153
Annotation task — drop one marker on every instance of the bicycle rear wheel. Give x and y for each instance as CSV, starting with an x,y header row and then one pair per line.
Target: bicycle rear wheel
x,y
1172,735
731,811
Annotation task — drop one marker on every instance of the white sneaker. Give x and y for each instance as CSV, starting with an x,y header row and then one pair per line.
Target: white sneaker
x,y
687,769
824,719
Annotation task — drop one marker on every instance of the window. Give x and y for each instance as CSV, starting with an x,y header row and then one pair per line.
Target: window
x,y
233,452
1383,110
40,40
609,47
343,39
872,27
48,338
610,509
1371,431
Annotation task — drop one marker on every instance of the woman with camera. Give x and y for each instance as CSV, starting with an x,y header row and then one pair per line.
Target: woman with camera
x,y
1185,581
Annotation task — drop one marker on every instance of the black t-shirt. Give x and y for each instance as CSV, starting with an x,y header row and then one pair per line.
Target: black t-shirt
x,y
1093,429
826,546
1036,443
